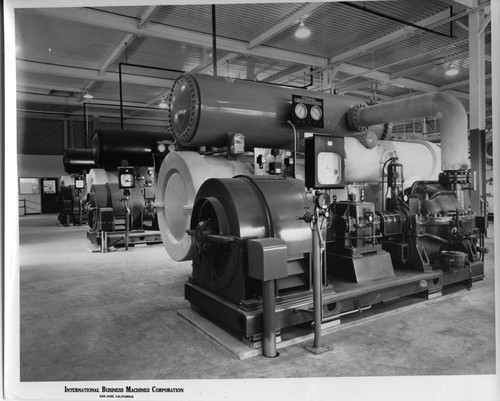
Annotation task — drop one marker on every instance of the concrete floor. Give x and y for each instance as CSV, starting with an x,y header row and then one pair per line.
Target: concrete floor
x,y
91,316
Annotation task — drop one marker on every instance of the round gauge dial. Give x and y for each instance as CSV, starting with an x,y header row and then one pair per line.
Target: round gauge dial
x,y
127,180
301,110
316,113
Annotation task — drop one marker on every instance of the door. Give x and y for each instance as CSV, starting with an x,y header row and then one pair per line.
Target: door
x,y
49,195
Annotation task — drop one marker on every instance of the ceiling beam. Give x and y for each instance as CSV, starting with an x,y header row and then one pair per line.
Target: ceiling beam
x,y
69,100
24,86
461,3
386,78
408,59
85,73
368,94
129,25
430,64
355,52
459,84
282,75
147,15
293,19
208,64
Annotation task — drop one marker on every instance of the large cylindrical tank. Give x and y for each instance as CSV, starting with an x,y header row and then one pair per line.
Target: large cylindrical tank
x,y
76,161
110,147
204,109
180,176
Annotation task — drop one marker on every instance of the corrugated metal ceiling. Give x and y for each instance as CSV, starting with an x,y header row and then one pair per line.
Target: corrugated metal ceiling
x,y
180,39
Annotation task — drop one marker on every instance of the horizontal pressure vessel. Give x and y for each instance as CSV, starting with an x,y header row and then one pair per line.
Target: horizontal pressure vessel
x,y
76,160
111,147
204,109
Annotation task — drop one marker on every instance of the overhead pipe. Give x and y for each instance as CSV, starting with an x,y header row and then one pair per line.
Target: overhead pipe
x,y
443,106
120,81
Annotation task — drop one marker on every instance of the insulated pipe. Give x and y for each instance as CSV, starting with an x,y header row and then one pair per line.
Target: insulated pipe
x,y
76,160
443,106
204,109
111,147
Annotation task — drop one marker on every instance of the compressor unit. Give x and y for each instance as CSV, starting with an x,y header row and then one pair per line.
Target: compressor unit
x,y
394,218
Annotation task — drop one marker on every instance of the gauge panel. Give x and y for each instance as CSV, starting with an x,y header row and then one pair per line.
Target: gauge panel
x,y
307,111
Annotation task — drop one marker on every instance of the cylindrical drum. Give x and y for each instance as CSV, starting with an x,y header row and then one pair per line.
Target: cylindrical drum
x,y
76,161
204,109
421,160
99,176
181,175
260,207
111,147
65,181
109,196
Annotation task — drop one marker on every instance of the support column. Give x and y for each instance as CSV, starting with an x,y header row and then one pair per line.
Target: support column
x,y
477,118
250,68
65,134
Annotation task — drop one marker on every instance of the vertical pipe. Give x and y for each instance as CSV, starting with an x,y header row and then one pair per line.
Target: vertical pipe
x,y
214,40
121,94
317,295
269,319
127,226
85,125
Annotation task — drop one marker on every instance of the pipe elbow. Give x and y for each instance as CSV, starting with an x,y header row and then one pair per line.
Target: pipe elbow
x,y
441,105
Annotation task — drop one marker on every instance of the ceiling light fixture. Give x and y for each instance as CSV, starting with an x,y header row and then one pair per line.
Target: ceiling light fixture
x,y
87,95
451,72
162,104
302,31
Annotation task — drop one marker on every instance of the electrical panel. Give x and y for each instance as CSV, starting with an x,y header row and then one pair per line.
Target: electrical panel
x,y
274,162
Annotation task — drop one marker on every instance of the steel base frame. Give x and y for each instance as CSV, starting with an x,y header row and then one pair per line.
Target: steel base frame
x,y
339,297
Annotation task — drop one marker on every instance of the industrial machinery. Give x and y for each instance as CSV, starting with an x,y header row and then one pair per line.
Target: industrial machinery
x,y
114,216
393,217
72,188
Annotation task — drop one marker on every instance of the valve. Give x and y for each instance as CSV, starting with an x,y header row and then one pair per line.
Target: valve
x,y
307,217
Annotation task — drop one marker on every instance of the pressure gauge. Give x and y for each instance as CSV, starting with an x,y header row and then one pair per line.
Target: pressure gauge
x,y
79,182
126,177
329,166
301,110
316,113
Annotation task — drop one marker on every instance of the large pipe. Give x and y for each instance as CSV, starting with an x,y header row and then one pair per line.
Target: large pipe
x,y
75,160
204,109
110,147
442,106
